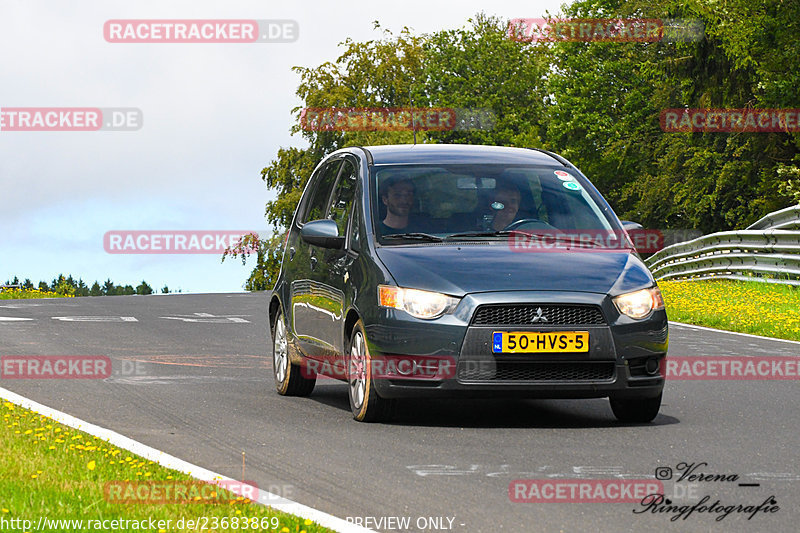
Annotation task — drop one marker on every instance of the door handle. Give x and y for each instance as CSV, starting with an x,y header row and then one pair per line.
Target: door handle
x,y
291,252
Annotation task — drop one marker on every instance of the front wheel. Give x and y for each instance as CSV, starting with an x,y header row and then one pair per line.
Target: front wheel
x,y
637,410
365,403
289,380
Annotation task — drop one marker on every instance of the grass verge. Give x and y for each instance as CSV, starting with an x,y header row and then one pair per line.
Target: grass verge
x,y
53,471
767,309
29,294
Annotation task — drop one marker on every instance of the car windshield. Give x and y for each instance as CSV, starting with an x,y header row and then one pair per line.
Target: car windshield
x,y
416,203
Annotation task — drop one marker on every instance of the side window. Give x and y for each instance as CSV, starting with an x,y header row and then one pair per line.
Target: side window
x,y
317,202
342,199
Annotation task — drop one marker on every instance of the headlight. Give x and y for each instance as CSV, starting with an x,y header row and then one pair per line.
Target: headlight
x,y
417,303
639,304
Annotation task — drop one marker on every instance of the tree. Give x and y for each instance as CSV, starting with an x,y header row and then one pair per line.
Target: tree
x,y
62,286
144,288
604,116
108,288
96,290
165,290
81,289
476,68
597,103
269,253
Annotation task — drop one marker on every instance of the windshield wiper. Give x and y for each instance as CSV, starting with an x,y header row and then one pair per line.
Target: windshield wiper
x,y
544,237
501,233
414,236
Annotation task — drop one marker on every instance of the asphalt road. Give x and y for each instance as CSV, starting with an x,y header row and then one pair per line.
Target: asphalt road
x,y
198,385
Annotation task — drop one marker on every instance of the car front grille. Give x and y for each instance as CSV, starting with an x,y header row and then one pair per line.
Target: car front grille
x,y
527,314
494,371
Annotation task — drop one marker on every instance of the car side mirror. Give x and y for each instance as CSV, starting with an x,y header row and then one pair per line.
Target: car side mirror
x,y
627,225
324,233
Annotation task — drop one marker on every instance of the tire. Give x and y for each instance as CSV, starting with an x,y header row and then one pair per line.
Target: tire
x,y
636,410
366,404
289,380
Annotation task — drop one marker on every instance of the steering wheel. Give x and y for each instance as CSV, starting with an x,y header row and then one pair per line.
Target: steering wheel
x,y
535,222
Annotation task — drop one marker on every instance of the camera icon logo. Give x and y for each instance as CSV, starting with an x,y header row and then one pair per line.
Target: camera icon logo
x,y
663,473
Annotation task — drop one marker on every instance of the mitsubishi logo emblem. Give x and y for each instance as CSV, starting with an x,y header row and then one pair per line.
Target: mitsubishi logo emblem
x,y
539,316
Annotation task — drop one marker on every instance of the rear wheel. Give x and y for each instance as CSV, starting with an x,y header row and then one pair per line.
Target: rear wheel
x,y
365,403
639,410
289,380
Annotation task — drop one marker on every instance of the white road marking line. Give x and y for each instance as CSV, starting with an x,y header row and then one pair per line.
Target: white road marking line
x,y
13,319
95,318
703,328
265,498
208,318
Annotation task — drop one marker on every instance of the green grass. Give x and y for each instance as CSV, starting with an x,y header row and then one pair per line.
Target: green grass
x,y
768,309
48,469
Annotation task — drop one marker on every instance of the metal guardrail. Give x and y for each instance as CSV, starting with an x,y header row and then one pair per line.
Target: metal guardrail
x,y
788,218
17,286
772,256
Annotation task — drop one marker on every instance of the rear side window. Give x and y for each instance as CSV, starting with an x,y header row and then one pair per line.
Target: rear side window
x,y
342,200
321,191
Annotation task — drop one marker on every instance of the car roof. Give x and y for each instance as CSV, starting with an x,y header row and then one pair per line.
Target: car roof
x,y
400,154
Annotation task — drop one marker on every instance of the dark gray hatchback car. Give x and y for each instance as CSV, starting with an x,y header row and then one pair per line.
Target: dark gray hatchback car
x,y
457,270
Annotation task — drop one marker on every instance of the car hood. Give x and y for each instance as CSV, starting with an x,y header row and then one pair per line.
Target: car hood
x,y
462,268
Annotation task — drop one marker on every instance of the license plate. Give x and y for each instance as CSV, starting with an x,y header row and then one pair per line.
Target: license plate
x,y
540,341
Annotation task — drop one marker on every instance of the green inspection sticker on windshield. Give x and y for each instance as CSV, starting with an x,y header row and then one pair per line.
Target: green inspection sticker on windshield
x,y
571,185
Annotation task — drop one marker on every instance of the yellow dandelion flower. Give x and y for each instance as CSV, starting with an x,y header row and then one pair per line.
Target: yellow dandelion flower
x,y
91,465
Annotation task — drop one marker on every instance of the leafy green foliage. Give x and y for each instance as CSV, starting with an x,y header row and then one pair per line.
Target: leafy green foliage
x,y
268,252
596,103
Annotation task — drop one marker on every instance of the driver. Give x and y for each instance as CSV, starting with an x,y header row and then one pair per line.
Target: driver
x,y
397,194
505,204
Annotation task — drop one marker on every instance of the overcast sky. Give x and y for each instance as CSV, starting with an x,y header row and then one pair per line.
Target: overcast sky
x,y
214,116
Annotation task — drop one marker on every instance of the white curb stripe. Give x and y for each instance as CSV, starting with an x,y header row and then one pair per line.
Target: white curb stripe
x,y
197,472
704,328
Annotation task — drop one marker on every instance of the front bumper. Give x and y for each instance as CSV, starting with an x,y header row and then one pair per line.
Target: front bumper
x,y
615,365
